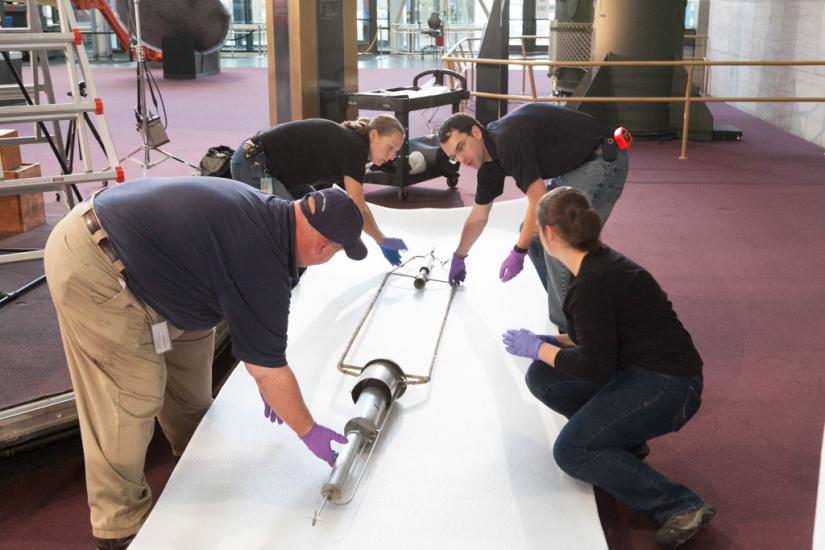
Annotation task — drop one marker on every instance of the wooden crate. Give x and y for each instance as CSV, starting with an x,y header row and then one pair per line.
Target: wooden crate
x,y
9,154
20,213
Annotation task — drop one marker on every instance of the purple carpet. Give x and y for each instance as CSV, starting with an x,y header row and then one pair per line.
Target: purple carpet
x,y
734,234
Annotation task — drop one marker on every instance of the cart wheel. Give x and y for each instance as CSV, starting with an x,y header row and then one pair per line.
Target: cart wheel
x,y
402,193
452,182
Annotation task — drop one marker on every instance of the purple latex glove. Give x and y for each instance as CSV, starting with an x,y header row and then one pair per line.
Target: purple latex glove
x,y
550,339
512,266
270,413
522,342
318,440
458,271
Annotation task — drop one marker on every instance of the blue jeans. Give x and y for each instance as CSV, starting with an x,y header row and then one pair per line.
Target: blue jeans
x,y
604,421
602,182
251,170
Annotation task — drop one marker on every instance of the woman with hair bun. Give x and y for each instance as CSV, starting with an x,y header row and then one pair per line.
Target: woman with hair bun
x,y
289,159
626,371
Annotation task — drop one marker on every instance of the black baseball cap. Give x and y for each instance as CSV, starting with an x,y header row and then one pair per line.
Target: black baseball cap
x,y
337,218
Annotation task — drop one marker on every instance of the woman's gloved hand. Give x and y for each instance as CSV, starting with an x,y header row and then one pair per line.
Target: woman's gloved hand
x,y
522,342
391,248
511,266
550,339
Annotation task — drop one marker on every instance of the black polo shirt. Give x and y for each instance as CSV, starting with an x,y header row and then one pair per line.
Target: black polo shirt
x,y
198,250
305,152
619,317
536,141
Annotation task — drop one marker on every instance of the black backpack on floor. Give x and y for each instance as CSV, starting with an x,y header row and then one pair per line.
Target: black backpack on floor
x,y
215,162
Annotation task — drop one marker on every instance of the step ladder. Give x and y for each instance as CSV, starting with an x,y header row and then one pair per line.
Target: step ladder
x,y
78,109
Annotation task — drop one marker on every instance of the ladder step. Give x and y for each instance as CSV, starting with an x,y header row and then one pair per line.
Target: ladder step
x,y
33,113
21,140
11,92
56,183
39,40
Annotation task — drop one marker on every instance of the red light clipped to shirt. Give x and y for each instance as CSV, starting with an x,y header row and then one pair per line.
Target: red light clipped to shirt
x,y
623,138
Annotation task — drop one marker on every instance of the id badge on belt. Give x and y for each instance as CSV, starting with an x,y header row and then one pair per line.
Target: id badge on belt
x,y
266,185
160,337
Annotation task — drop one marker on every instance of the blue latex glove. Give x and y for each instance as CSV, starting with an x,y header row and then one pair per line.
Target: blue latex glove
x,y
458,271
391,248
270,413
512,266
522,342
318,441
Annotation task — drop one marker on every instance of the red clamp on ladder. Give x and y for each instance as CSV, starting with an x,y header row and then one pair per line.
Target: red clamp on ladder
x,y
78,37
98,106
119,176
622,138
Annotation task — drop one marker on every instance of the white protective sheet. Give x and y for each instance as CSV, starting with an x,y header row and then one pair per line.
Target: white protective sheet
x,y
465,460
819,519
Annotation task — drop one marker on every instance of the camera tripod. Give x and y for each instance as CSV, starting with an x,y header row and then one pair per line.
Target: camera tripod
x,y
150,127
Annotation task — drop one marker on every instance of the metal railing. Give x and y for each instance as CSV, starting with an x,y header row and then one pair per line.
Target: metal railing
x,y
405,37
462,66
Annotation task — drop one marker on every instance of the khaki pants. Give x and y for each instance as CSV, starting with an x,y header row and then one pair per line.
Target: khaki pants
x,y
121,385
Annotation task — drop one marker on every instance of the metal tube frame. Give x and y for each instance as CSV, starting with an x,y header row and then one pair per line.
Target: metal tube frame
x,y
354,370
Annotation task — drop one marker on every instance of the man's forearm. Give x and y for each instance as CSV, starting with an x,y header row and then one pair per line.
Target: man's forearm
x,y
473,228
280,389
530,227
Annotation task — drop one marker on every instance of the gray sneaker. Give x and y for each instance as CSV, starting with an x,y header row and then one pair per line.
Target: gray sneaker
x,y
680,528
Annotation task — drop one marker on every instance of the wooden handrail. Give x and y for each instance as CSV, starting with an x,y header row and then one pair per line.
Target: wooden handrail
x,y
663,63
688,98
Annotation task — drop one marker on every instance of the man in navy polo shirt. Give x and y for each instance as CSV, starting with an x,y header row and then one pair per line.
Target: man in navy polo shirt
x,y
140,274
534,143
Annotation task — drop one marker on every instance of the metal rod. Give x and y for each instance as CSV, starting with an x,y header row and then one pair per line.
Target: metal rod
x,y
686,117
353,370
630,63
329,496
6,298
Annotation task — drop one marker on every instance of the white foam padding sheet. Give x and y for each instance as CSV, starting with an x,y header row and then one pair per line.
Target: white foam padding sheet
x,y
464,460
819,518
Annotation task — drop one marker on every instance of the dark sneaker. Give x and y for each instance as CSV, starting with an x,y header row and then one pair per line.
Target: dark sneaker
x,y
680,528
640,451
113,544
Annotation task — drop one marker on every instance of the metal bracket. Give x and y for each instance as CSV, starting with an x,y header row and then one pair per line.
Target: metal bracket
x,y
354,370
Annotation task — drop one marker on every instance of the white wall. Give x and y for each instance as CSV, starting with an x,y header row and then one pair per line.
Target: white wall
x,y
771,30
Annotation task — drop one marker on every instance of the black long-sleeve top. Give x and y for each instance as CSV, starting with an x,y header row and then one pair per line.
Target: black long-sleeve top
x,y
619,317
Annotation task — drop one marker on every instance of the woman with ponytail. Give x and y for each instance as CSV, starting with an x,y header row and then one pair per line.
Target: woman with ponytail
x,y
626,371
289,159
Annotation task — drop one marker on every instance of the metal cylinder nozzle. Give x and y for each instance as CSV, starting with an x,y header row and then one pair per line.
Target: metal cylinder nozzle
x,y
381,373
334,486
370,410
424,273
380,383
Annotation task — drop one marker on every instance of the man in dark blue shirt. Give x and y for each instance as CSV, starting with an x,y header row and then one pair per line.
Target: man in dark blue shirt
x,y
534,143
140,274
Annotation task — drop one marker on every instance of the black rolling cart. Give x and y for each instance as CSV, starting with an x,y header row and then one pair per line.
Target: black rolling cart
x,y
402,101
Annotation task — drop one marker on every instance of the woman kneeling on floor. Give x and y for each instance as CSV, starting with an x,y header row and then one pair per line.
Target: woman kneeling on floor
x,y
625,372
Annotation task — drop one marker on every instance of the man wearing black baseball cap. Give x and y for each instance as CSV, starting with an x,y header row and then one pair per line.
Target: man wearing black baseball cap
x,y
140,274
334,215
